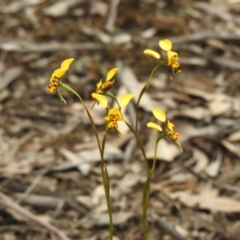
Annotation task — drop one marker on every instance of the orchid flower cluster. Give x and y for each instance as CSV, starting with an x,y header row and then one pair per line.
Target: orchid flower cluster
x,y
114,115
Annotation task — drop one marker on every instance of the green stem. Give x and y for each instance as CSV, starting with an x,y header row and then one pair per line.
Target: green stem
x,y
111,95
144,89
146,195
146,190
66,87
140,144
106,185
161,136
103,166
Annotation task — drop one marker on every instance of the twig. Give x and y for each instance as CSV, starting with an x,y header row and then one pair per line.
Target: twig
x,y
22,228
112,16
12,153
9,76
217,183
203,36
7,202
34,183
167,228
16,45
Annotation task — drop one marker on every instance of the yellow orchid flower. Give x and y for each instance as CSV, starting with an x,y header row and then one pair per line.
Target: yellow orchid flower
x,y
103,87
173,57
57,75
114,115
161,116
170,132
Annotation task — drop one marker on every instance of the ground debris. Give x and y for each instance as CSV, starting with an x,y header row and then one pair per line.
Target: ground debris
x,y
50,170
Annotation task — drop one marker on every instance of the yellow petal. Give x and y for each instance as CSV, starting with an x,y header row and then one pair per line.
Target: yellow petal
x,y
66,63
165,44
115,113
58,73
107,118
152,53
154,126
172,56
159,114
101,99
99,84
125,99
52,78
111,73
170,125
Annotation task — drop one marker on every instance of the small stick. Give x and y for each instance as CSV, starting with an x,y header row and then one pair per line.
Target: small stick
x,y
167,228
112,16
7,202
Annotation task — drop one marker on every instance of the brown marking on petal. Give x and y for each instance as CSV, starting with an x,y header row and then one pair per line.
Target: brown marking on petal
x,y
173,135
113,124
114,117
105,87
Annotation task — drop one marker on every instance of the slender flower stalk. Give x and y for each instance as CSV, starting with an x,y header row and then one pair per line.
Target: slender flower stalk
x,y
101,148
146,190
166,130
55,84
145,87
106,185
172,58
172,61
140,144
